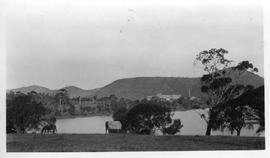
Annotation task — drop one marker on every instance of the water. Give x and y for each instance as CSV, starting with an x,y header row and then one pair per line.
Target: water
x,y
193,124
94,124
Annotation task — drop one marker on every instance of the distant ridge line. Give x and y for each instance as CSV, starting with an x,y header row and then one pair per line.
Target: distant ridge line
x,y
140,87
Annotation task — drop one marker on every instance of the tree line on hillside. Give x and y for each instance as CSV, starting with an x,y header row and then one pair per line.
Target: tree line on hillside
x,y
60,104
109,104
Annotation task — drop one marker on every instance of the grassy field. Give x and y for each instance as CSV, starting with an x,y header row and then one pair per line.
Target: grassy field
x,y
125,142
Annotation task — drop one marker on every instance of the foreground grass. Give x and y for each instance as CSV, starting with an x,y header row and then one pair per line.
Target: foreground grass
x,y
125,142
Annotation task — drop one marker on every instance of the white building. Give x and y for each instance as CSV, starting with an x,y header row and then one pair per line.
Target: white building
x,y
165,96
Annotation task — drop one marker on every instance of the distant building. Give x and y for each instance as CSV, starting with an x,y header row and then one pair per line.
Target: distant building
x,y
169,97
165,96
192,98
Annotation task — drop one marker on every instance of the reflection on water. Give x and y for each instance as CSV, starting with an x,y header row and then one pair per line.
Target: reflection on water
x,y
193,124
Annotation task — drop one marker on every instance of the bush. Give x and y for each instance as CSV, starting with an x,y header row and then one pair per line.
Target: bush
x,y
71,110
57,113
196,107
121,115
174,128
22,113
142,118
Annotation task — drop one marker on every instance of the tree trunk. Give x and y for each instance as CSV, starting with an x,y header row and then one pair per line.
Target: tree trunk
x,y
238,132
61,109
208,130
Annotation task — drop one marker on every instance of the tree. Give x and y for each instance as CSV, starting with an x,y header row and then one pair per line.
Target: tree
x,y
121,115
249,107
143,117
218,83
244,110
236,117
255,98
71,110
113,103
174,128
63,100
232,116
23,112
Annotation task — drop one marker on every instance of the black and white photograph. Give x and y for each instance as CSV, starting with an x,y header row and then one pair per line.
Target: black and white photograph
x,y
125,76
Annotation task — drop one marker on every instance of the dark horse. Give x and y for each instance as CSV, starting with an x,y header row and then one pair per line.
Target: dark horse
x,y
49,128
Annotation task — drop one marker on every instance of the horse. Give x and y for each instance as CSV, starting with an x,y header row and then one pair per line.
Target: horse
x,y
49,128
113,127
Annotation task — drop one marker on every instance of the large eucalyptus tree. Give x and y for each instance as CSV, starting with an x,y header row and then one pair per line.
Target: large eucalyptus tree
x,y
221,82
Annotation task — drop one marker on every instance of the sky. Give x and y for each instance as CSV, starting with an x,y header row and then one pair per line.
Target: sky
x,y
62,43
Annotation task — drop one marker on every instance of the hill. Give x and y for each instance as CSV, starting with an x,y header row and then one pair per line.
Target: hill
x,y
140,87
75,91
72,90
36,88
137,88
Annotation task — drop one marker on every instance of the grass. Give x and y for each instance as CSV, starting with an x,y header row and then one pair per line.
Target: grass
x,y
127,142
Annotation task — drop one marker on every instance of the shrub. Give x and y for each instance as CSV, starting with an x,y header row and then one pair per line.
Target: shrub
x,y
174,128
143,117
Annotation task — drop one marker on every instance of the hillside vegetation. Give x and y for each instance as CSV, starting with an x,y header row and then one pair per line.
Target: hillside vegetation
x,y
140,87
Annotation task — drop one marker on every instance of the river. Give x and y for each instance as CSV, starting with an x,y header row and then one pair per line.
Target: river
x,y
193,124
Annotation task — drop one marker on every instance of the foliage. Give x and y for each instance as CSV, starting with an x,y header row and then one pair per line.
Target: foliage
x,y
218,83
241,111
23,112
256,101
52,120
254,98
121,115
196,107
63,100
145,116
174,128
60,104
231,116
213,59
71,110
236,117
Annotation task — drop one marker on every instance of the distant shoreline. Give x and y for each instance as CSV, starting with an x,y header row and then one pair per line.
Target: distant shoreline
x,y
100,114
80,116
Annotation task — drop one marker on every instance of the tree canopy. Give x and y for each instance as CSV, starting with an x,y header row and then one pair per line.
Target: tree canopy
x,y
143,117
218,84
23,112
